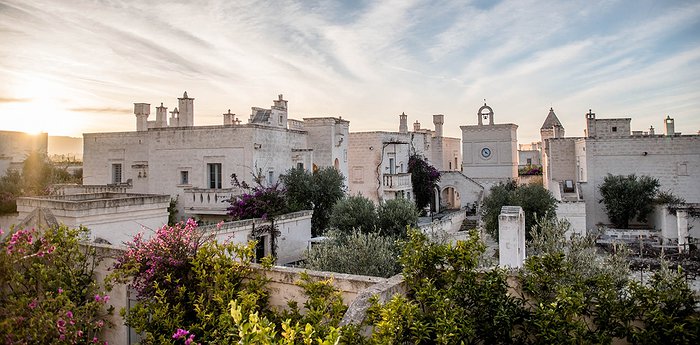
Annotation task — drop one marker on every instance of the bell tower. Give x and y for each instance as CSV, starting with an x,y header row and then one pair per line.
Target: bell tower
x,y
485,114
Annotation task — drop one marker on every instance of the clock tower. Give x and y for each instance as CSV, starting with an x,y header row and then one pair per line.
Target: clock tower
x,y
489,150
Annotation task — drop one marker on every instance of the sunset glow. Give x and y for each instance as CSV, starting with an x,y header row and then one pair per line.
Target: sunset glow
x,y
78,66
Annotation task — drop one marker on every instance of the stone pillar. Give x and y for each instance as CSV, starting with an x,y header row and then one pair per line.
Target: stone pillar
x,y
682,219
229,118
186,105
511,237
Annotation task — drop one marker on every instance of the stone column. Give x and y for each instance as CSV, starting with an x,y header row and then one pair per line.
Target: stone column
x,y
511,237
682,219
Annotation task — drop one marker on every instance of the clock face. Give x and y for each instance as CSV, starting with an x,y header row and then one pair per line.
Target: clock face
x,y
486,152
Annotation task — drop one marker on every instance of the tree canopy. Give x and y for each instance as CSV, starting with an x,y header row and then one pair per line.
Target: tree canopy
x,y
318,191
424,178
626,198
535,200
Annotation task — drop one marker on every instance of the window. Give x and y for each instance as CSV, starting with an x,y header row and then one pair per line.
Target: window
x,y
117,173
214,175
529,161
184,177
300,165
281,124
392,167
270,177
450,165
614,129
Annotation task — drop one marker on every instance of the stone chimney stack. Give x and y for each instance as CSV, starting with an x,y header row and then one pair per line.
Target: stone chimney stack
x,y
416,126
438,121
280,102
142,110
403,123
670,126
590,124
174,118
186,104
651,130
228,118
161,116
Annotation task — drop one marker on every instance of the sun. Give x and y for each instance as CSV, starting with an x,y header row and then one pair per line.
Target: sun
x,y
39,108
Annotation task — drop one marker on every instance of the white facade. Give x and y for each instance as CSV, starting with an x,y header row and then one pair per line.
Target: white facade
x,y
111,217
511,237
378,161
575,168
489,150
195,163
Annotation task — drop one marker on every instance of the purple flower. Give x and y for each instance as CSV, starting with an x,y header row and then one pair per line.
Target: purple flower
x,y
69,314
32,304
180,333
60,323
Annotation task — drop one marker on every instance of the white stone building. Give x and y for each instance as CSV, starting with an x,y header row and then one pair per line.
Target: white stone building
x,y
16,146
489,150
378,160
194,163
575,167
111,217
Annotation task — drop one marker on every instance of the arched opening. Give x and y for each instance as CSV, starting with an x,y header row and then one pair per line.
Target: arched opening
x,y
336,164
450,198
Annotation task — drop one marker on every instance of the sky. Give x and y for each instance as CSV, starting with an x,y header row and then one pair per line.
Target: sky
x,y
71,67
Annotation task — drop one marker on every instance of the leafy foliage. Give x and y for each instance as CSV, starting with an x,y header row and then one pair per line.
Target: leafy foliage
x,y
530,170
258,202
48,294
535,200
186,281
628,197
355,253
449,301
319,191
424,178
354,213
37,175
394,216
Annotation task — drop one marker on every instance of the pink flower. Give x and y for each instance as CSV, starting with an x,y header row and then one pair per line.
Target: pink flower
x,y
180,333
94,340
100,323
60,323
62,337
60,290
98,298
79,333
105,299
69,314
32,304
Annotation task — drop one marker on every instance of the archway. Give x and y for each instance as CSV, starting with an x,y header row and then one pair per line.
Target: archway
x,y
450,198
336,164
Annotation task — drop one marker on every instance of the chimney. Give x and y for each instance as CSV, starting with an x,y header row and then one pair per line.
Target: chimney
x,y
651,130
416,126
228,118
142,110
186,105
403,123
174,118
438,121
670,127
161,116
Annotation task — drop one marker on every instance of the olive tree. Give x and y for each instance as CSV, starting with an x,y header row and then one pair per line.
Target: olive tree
x,y
626,198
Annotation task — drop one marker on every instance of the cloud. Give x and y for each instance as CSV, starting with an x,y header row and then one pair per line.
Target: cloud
x,y
14,100
101,110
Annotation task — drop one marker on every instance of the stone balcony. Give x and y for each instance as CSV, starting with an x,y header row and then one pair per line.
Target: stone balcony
x,y
208,201
396,182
